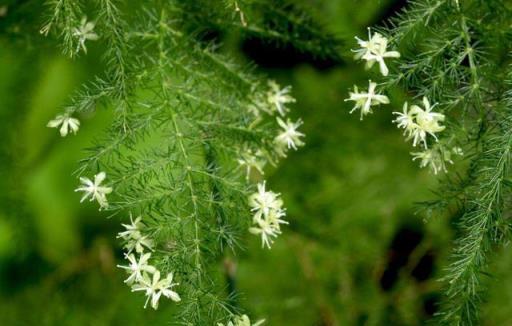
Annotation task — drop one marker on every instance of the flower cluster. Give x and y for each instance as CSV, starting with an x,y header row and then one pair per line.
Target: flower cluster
x,y
276,100
266,205
133,237
418,123
242,321
273,101
436,157
143,276
372,51
268,210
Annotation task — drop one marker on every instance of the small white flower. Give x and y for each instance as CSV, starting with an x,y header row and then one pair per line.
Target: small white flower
x,y
275,99
430,158
266,230
132,229
94,190
138,242
66,123
364,101
436,158
278,97
405,120
155,287
251,161
289,137
262,202
84,32
427,123
268,227
428,120
367,47
433,159
418,122
133,236
274,218
375,50
137,268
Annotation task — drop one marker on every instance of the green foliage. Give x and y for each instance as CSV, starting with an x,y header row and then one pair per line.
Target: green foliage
x,y
182,118
170,109
456,53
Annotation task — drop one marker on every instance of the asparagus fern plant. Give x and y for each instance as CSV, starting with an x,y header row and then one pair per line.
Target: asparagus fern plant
x,y
183,159
454,58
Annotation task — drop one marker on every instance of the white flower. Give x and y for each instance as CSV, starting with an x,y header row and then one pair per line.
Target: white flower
x,y
274,218
367,47
275,99
405,120
419,122
436,158
84,32
242,321
66,122
138,242
430,158
364,101
375,50
266,230
132,229
289,137
133,236
95,190
137,268
427,123
428,120
268,211
262,202
155,287
251,161
268,227
278,97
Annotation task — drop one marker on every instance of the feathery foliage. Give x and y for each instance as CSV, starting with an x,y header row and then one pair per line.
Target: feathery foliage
x,y
456,54
192,130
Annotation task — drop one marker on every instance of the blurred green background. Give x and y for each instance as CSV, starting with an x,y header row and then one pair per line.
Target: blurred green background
x,y
355,253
